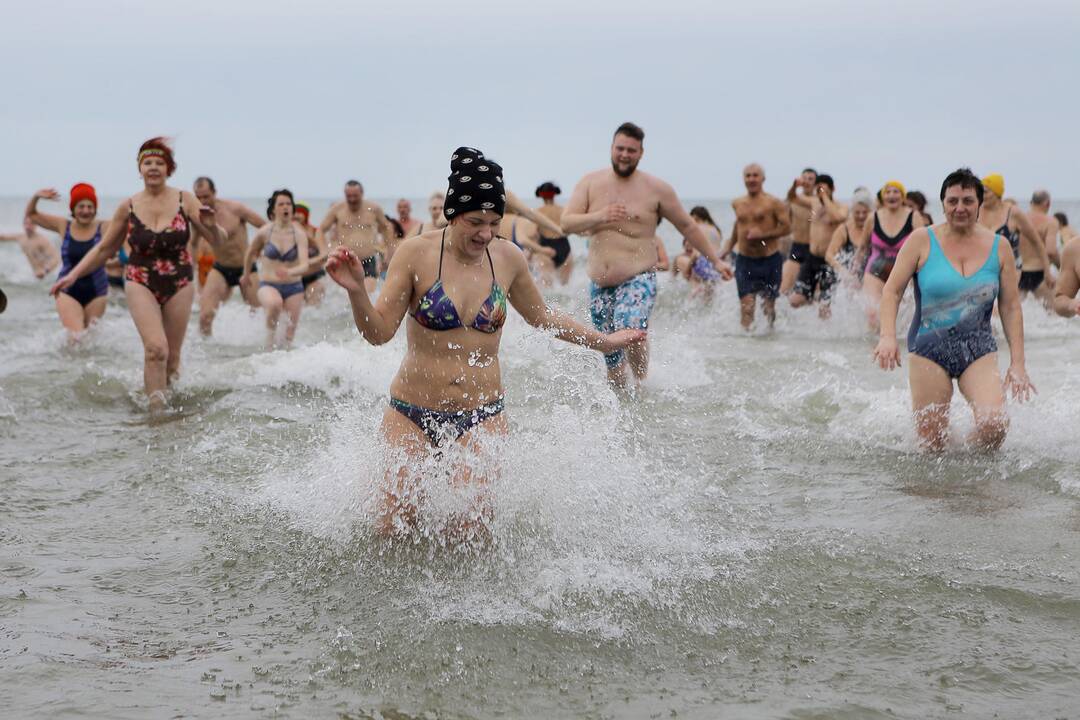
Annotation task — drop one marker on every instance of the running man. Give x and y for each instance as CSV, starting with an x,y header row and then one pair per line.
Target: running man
x,y
761,220
409,224
228,268
620,208
826,215
357,225
1032,271
803,186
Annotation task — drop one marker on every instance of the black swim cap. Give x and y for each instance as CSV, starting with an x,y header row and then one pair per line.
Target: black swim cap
x,y
475,184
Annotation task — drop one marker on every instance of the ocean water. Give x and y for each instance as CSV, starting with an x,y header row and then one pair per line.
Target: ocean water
x,y
754,536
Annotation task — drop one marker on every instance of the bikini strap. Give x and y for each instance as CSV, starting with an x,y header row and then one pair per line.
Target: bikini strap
x,y
492,264
67,231
442,242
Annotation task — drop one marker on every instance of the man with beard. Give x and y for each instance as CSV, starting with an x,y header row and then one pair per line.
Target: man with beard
x,y
233,217
800,226
357,225
760,221
620,207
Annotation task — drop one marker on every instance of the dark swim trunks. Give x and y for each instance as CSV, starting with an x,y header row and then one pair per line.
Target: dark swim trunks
x,y
232,275
759,276
1031,279
371,266
815,274
799,252
562,249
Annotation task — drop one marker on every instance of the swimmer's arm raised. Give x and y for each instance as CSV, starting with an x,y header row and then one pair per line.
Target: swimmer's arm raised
x,y
49,222
1068,284
376,323
834,210
527,300
794,197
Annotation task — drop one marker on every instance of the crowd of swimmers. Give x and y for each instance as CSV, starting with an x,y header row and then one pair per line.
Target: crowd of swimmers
x,y
482,250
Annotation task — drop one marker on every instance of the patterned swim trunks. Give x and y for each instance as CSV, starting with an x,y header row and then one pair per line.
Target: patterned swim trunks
x,y
625,306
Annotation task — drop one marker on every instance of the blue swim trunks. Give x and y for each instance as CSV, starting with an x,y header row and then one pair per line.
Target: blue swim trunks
x,y
625,306
759,276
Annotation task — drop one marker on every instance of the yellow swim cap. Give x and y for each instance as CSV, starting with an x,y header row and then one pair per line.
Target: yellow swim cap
x,y
896,184
995,184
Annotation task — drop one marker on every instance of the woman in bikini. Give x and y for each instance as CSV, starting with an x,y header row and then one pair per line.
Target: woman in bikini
x,y
454,283
81,304
156,223
282,249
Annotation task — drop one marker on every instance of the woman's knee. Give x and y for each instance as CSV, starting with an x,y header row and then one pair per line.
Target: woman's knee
x,y
991,429
156,351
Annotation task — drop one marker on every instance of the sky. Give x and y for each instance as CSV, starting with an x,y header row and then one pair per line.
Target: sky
x,y
269,94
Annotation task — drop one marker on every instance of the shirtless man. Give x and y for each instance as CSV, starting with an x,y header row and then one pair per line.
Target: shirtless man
x,y
357,225
408,223
40,252
761,220
800,227
1011,223
620,208
1068,283
816,274
233,217
1046,225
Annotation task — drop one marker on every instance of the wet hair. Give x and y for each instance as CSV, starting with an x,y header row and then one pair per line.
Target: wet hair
x,y
1062,219
827,180
966,180
356,184
1040,197
203,179
810,170
631,130
880,197
273,201
399,231
164,150
702,213
918,199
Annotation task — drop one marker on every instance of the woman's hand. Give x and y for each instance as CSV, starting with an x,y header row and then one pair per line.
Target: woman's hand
x,y
207,216
1017,383
47,194
887,353
282,274
345,269
62,284
621,339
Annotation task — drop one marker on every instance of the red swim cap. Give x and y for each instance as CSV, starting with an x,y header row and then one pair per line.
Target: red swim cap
x,y
80,192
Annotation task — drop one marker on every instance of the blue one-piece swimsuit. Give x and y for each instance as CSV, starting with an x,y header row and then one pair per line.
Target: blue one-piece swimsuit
x,y
951,326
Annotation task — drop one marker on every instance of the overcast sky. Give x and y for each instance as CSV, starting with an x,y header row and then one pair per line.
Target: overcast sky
x,y
308,94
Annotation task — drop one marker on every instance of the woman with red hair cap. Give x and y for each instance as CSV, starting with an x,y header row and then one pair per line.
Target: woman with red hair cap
x,y
81,304
157,224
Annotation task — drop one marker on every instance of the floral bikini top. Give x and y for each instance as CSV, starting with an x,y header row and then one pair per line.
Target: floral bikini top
x,y
436,310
